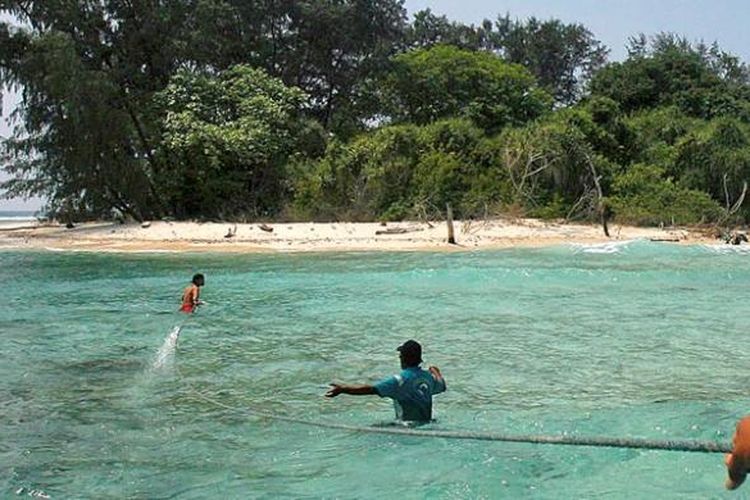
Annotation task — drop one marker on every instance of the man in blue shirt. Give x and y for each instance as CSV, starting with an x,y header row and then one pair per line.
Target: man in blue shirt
x,y
411,390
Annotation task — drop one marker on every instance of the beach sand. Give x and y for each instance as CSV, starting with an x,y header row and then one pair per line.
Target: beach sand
x,y
331,236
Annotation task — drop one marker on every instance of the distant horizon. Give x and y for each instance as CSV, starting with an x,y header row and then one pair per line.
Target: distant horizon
x,y
612,22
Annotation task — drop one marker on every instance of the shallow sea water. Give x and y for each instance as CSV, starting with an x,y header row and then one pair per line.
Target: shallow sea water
x,y
627,340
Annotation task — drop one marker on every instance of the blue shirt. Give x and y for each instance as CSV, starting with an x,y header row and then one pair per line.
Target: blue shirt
x,y
412,392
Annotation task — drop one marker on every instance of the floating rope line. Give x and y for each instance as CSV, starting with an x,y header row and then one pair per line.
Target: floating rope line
x,y
594,441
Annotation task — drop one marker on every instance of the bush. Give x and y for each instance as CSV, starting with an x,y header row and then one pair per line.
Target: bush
x,y
401,171
642,196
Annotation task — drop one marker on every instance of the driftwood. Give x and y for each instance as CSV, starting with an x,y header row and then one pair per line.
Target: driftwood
x,y
265,228
391,230
735,238
668,240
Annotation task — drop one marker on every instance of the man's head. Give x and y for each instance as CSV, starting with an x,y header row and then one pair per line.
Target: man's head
x,y
198,280
410,353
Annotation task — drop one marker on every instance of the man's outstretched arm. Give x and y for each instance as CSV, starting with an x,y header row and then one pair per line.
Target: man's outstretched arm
x,y
353,389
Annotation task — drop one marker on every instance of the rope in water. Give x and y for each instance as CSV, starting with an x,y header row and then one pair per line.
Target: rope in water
x,y
604,442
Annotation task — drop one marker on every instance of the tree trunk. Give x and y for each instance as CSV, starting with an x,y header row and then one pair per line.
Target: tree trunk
x,y
601,205
449,221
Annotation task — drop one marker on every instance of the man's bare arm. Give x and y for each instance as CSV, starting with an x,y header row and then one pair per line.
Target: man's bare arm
x,y
435,371
353,389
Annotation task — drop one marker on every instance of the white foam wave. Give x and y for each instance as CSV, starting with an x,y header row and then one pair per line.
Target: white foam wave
x,y
610,247
723,249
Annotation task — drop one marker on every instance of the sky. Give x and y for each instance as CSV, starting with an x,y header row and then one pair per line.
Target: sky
x,y
611,21
614,21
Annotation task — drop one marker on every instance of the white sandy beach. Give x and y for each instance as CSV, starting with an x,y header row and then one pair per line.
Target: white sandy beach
x,y
333,236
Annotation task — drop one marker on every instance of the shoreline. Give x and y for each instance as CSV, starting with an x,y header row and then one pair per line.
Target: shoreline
x,y
306,237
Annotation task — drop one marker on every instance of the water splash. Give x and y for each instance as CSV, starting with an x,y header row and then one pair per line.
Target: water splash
x,y
166,352
32,493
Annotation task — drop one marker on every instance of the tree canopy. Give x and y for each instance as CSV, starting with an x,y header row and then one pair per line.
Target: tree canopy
x,y
444,81
346,109
226,137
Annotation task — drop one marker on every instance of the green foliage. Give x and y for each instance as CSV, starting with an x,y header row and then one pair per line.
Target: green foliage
x,y
408,170
715,159
644,196
562,57
402,170
334,50
341,109
664,125
77,146
87,71
227,137
553,162
444,81
703,82
428,30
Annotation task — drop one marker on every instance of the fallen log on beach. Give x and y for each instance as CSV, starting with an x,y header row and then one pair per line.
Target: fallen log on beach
x,y
391,230
397,230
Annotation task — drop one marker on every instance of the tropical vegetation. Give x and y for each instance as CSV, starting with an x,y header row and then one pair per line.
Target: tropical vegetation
x,y
351,110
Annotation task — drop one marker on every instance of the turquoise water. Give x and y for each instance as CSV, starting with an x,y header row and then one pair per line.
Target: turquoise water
x,y
635,340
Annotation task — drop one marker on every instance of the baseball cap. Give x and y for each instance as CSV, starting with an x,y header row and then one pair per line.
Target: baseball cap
x,y
411,349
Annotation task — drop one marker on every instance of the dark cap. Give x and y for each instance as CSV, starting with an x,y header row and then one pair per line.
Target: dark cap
x,y
411,350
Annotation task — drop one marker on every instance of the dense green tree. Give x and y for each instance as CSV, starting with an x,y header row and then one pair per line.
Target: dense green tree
x,y
228,137
125,52
428,30
87,72
715,159
444,81
563,57
336,51
331,49
703,82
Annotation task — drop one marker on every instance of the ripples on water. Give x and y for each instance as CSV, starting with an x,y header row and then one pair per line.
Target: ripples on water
x,y
624,339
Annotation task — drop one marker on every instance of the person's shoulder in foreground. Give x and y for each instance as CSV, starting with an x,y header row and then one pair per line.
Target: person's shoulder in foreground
x,y
738,462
